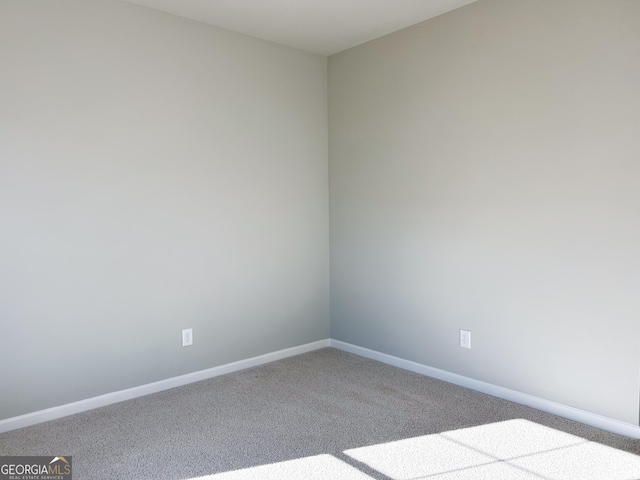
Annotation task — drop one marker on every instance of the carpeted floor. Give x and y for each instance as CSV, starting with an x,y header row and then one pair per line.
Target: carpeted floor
x,y
326,404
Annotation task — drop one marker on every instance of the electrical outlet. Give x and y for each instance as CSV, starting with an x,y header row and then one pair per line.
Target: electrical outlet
x,y
187,337
465,338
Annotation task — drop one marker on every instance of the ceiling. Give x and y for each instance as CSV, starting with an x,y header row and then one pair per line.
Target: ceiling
x,y
319,26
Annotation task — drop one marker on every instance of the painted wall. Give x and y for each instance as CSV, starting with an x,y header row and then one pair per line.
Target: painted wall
x,y
484,173
155,174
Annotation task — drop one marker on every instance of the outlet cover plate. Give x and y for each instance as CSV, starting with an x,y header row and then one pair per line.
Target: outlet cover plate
x,y
465,338
187,337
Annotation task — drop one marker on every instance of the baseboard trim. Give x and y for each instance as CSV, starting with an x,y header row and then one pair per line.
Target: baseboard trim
x,y
572,413
53,413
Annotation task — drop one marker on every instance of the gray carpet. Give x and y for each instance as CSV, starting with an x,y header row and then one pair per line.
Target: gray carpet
x,y
326,403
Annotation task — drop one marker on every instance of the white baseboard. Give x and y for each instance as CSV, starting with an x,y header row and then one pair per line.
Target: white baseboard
x,y
53,413
582,416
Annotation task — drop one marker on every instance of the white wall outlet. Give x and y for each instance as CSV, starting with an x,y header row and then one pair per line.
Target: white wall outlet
x,y
187,337
465,338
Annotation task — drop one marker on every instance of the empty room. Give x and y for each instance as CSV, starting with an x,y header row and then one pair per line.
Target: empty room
x,y
355,239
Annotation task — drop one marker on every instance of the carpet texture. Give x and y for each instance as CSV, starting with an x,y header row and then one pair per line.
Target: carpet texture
x,y
327,405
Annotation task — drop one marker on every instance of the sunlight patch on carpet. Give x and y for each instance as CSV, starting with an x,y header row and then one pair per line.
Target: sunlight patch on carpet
x,y
320,467
510,450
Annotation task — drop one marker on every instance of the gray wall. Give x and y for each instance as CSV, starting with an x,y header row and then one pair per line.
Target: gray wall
x,y
484,174
155,174
158,174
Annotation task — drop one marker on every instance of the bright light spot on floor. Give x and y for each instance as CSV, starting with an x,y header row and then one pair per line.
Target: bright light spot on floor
x,y
513,438
588,461
510,450
321,467
418,457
